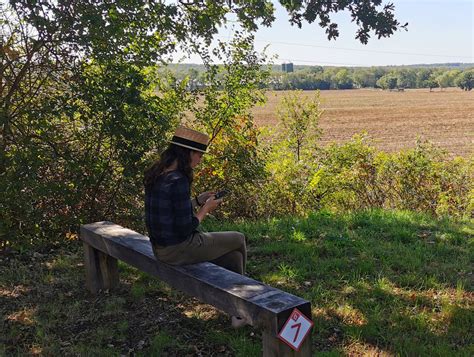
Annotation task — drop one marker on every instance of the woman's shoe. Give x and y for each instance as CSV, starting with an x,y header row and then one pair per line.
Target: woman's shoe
x,y
238,322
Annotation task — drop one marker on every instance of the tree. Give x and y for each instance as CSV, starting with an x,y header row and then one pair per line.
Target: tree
x,y
83,107
364,78
291,156
299,117
343,80
423,78
406,78
141,32
316,69
443,80
447,78
432,82
388,81
363,13
465,80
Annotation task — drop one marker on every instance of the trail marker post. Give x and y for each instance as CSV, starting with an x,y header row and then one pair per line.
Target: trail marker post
x,y
295,330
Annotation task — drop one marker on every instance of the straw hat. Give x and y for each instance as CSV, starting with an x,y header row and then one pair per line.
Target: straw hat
x,y
190,139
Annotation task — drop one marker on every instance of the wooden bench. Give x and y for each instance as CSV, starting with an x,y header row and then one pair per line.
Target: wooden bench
x,y
262,305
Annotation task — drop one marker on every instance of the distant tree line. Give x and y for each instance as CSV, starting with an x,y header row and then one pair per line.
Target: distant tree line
x,y
318,77
375,77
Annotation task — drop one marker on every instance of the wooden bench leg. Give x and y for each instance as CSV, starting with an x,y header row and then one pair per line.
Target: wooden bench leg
x,y
101,270
274,347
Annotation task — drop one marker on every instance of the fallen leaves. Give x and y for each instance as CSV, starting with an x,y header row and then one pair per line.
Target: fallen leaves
x,y
24,317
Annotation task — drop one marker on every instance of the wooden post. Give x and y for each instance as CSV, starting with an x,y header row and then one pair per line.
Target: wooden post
x,y
101,270
274,347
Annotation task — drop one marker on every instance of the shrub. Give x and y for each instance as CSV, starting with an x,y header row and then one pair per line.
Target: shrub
x,y
355,175
348,176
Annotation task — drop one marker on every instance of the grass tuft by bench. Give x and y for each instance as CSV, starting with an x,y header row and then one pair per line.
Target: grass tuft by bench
x,y
261,305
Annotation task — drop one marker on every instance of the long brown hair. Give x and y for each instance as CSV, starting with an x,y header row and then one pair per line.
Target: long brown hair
x,y
173,153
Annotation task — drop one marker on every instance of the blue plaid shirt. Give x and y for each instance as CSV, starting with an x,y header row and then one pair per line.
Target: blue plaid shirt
x,y
168,210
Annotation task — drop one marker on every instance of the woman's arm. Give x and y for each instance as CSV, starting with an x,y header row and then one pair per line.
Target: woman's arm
x,y
184,221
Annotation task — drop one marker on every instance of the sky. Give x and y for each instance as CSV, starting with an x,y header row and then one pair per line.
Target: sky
x,y
439,31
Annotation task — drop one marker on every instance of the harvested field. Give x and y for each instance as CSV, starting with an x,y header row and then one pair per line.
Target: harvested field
x,y
393,119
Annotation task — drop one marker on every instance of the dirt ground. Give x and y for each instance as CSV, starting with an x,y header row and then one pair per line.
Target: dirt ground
x,y
394,120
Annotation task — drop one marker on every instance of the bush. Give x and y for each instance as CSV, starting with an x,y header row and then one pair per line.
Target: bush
x,y
348,177
355,176
77,151
79,155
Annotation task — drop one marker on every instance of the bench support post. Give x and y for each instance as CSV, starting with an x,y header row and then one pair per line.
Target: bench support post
x,y
274,347
101,270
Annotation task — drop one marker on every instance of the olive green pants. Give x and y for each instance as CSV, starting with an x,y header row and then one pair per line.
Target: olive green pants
x,y
226,249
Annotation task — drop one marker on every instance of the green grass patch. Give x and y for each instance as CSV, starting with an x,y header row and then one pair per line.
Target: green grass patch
x,y
390,279
160,343
380,283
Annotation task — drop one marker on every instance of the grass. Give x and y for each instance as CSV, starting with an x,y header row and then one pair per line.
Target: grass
x,y
380,283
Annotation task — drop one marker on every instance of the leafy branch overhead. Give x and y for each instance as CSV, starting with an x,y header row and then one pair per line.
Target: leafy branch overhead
x,y
142,30
366,14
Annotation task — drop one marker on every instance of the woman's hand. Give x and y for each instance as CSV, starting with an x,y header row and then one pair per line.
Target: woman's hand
x,y
210,205
203,197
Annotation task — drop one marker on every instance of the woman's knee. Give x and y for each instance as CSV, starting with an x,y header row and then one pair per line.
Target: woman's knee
x,y
231,240
241,239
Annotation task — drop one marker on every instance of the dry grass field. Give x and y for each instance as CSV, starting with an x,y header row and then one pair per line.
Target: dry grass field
x,y
393,119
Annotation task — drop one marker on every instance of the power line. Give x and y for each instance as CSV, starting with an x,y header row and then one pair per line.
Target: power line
x,y
327,63
356,50
359,50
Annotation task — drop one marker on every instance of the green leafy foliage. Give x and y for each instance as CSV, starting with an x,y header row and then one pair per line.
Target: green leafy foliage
x,y
316,77
303,177
83,109
299,117
79,155
234,163
389,81
465,80
290,156
82,118
356,176
222,109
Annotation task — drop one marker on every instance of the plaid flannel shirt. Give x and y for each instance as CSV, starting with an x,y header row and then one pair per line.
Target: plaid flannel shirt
x,y
168,210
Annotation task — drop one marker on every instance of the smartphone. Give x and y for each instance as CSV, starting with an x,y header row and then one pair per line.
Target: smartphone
x,y
221,194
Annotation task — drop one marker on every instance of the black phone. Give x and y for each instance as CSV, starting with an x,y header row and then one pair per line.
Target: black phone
x,y
221,194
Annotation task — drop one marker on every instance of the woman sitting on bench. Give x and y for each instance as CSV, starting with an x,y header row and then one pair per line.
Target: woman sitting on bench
x,y
170,219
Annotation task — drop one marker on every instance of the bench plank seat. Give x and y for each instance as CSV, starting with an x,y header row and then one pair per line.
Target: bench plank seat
x,y
261,305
